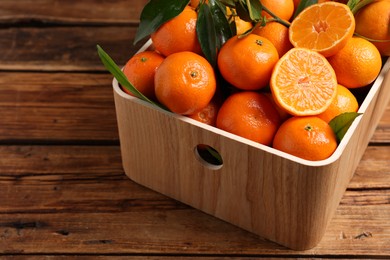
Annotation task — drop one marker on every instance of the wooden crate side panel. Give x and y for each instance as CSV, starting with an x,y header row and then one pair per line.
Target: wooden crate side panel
x,y
255,190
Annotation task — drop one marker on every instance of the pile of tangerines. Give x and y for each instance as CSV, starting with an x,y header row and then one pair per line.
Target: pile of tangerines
x,y
280,84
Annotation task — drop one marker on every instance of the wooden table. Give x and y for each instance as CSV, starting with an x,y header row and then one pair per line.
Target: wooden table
x,y
63,191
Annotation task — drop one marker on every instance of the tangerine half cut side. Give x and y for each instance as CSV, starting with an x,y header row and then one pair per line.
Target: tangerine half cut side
x,y
324,27
303,82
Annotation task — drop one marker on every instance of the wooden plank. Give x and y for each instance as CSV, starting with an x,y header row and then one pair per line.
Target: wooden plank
x,y
80,162
78,196
72,106
57,107
354,231
382,132
56,125
373,171
66,90
50,179
71,11
61,176
64,48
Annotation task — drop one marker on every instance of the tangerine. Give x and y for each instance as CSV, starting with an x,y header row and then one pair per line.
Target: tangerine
x,y
344,101
284,9
140,71
373,22
250,115
185,83
297,2
357,64
247,62
303,82
207,115
282,113
310,138
325,28
277,33
178,34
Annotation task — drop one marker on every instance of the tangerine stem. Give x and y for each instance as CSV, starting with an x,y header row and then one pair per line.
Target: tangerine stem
x,y
276,18
369,39
308,128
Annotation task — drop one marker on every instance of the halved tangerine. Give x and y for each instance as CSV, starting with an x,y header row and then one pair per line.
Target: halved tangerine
x,y
303,82
324,27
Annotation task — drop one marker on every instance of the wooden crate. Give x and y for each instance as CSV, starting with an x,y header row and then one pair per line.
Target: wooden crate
x,y
280,197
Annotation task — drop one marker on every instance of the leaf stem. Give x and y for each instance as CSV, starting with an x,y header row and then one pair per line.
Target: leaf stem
x,y
275,17
360,5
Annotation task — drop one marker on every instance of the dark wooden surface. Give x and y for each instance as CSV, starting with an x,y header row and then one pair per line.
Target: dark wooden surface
x,y
63,192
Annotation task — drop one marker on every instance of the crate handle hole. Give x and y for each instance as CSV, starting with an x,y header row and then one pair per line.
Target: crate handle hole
x,y
208,156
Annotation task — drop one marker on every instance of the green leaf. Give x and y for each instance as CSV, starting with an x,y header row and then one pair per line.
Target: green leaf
x,y
302,5
207,34
341,123
229,3
233,27
157,12
356,5
221,23
213,30
242,11
215,155
221,6
209,154
352,3
111,66
254,8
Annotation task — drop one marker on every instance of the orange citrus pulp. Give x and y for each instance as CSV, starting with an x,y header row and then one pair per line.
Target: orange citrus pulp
x,y
303,82
324,27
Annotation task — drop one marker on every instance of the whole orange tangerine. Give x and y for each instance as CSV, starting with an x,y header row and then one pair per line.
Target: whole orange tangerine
x,y
185,83
357,64
247,62
277,33
310,138
178,34
140,71
344,102
373,22
207,115
284,9
250,115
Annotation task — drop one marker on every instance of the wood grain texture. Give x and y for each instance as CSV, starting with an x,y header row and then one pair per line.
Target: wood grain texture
x,y
56,107
64,48
373,171
63,191
182,232
79,197
382,132
71,11
84,167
